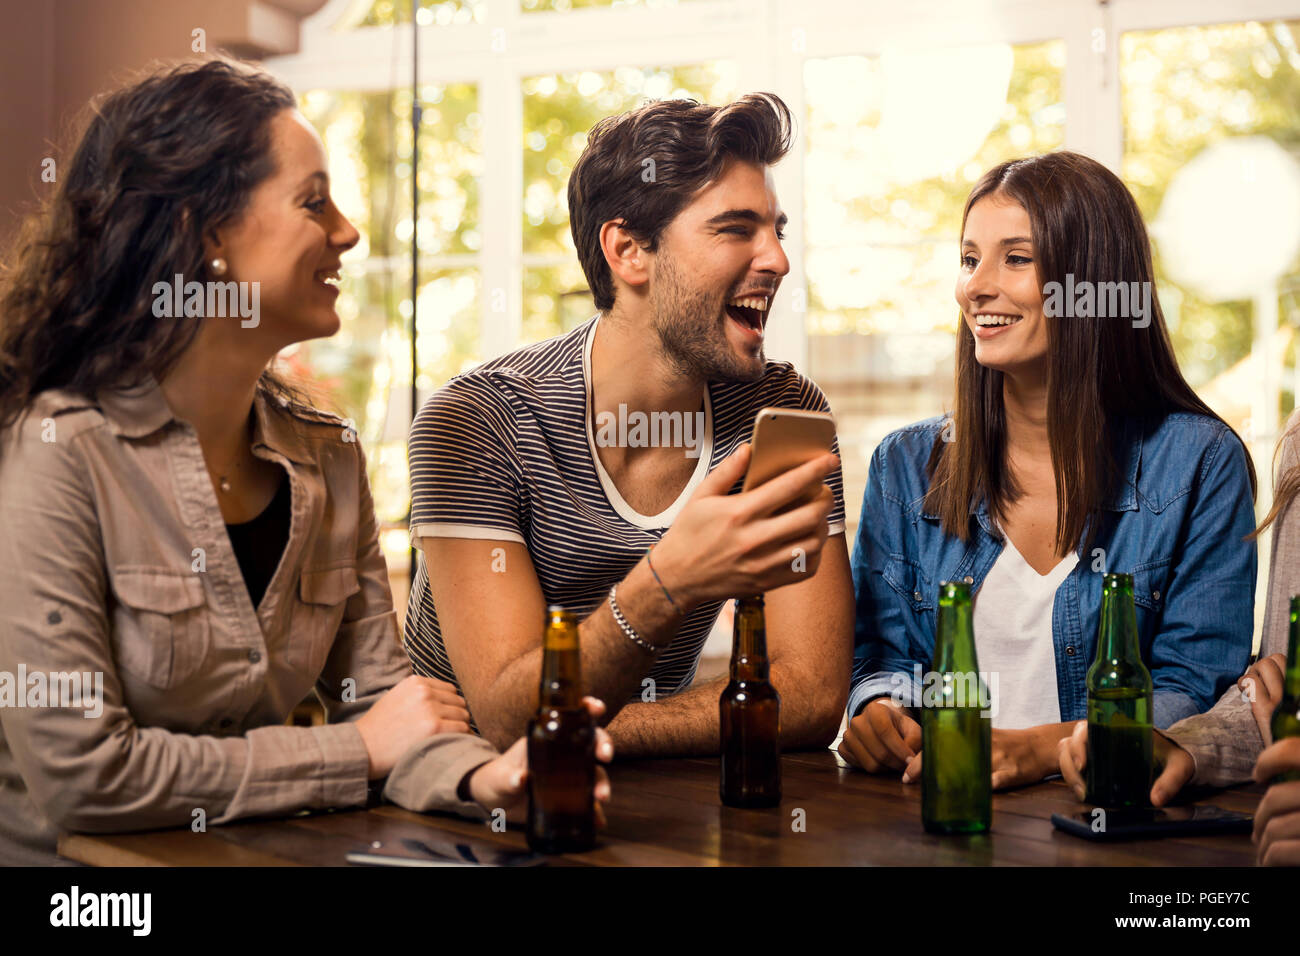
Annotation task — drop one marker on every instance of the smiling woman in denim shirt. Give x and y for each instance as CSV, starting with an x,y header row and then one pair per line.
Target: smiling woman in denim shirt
x,y
1075,447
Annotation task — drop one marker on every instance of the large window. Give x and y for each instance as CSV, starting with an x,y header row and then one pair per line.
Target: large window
x,y
900,109
366,369
1211,142
560,6
386,13
558,109
898,151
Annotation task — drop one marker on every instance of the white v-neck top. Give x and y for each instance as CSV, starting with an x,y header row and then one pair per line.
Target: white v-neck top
x,y
629,514
1013,639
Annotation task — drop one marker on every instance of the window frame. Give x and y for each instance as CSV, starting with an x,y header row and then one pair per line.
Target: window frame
x,y
498,54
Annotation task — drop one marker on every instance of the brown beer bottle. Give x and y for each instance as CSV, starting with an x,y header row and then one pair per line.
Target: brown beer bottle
x,y
750,716
561,747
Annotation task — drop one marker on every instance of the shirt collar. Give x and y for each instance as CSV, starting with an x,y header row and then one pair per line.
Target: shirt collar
x,y
980,509
136,411
141,410
277,428
1129,451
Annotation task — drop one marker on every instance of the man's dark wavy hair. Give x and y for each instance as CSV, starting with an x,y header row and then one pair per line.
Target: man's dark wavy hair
x,y
689,144
160,162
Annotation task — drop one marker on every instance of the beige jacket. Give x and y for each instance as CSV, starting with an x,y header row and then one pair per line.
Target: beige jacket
x,y
1225,740
139,687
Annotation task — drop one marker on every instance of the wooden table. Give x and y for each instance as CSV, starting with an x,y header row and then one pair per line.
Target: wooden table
x,y
667,812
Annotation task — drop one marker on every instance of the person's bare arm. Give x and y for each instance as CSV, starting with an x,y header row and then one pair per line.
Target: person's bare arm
x,y
680,725
810,648
810,643
491,621
720,545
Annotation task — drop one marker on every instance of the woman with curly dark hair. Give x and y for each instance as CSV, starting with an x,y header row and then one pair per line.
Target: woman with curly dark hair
x,y
189,547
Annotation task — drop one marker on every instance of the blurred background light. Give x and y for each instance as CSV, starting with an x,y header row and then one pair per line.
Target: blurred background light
x,y
1229,225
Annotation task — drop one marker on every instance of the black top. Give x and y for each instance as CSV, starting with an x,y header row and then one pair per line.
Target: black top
x,y
259,543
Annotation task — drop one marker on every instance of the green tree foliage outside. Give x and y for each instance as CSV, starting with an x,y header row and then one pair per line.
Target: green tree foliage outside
x,y
1183,90
558,112
365,367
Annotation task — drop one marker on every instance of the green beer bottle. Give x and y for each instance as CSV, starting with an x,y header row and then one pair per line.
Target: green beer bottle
x,y
1119,705
1286,718
956,738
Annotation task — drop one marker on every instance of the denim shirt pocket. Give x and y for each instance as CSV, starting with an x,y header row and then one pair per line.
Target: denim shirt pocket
x,y
1149,581
909,580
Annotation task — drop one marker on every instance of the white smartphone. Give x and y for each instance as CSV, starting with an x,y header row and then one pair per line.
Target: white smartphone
x,y
786,438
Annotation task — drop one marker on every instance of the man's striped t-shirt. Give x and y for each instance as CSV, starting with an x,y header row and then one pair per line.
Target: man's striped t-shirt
x,y
507,452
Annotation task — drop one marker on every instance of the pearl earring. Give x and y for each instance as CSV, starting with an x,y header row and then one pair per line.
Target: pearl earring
x,y
218,266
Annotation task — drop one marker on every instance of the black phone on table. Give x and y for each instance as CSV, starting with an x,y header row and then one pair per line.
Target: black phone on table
x,y
1144,823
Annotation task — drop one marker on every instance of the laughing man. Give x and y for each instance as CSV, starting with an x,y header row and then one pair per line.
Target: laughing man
x,y
525,493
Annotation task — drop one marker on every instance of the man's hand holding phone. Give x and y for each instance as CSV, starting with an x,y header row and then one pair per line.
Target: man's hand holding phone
x,y
723,545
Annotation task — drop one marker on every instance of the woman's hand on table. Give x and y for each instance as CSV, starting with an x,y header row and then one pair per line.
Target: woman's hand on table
x,y
882,737
1175,765
503,781
1020,757
1025,756
413,709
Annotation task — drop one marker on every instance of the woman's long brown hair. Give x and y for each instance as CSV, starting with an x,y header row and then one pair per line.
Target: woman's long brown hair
x,y
1287,484
160,163
1100,371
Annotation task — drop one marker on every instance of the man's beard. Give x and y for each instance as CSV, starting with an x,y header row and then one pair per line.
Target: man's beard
x,y
689,338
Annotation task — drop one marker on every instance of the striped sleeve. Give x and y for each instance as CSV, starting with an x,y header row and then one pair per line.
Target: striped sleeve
x,y
464,481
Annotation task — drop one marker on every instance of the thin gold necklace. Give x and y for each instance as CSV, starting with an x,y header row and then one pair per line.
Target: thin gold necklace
x,y
223,476
223,480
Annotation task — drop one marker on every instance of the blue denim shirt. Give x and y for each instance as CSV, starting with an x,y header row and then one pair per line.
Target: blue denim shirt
x,y
1177,524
